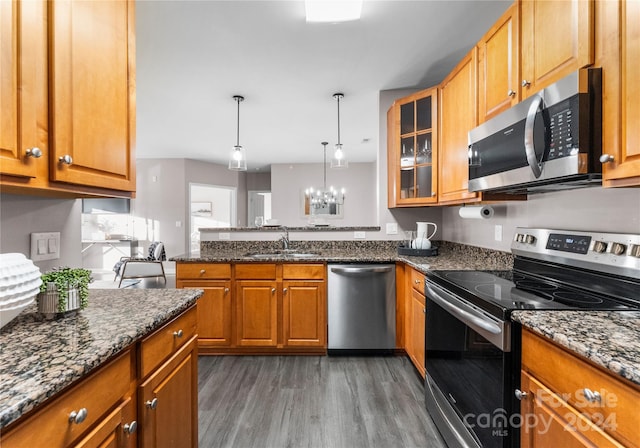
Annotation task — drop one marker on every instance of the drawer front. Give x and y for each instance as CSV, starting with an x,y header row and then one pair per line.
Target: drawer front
x,y
417,281
570,376
295,271
255,271
167,340
95,395
203,270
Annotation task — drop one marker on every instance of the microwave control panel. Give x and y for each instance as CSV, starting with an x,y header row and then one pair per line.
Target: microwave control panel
x,y
563,132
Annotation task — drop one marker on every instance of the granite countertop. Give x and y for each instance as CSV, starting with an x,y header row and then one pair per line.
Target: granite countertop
x,y
41,357
451,256
610,339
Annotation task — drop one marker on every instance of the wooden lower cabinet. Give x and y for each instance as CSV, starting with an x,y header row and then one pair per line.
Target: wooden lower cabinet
x,y
304,313
415,317
168,402
118,430
567,401
257,313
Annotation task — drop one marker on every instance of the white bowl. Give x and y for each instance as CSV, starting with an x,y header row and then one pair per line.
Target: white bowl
x,y
19,285
272,222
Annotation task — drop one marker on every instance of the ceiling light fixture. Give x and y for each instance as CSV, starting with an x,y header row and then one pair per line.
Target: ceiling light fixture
x,y
339,160
324,198
332,10
238,159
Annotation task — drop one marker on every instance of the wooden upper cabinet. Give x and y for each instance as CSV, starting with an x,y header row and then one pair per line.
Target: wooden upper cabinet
x,y
412,150
458,116
92,82
557,38
617,51
498,65
23,88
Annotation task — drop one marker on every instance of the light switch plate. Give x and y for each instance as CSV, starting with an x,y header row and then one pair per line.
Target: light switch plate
x,y
45,246
498,232
392,228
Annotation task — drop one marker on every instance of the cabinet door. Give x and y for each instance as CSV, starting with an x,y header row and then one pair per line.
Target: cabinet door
x,y
256,313
418,316
498,80
413,149
548,421
304,318
557,39
457,118
92,93
168,402
214,312
618,49
23,108
117,430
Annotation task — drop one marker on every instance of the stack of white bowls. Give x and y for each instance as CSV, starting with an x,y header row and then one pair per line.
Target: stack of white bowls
x,y
19,285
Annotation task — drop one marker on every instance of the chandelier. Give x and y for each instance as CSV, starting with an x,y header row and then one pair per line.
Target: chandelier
x,y
321,199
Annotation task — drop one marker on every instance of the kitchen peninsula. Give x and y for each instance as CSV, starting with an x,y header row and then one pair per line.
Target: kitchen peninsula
x,y
107,371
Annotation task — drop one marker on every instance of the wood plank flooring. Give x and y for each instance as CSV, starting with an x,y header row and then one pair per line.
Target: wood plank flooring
x,y
312,401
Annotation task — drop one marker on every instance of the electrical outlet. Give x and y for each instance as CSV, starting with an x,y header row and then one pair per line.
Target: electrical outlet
x,y
224,236
497,232
359,235
392,228
45,246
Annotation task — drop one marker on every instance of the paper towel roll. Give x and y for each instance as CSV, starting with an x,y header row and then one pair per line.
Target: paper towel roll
x,y
476,212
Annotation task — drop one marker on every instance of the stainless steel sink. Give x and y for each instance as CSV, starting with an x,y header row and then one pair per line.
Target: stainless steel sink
x,y
282,254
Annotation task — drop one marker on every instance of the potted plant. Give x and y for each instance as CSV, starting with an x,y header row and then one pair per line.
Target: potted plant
x,y
64,289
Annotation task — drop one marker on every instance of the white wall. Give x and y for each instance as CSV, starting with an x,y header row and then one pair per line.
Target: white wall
x,y
288,181
22,215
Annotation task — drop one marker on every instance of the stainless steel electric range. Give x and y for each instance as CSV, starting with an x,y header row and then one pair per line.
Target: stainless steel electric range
x,y
473,350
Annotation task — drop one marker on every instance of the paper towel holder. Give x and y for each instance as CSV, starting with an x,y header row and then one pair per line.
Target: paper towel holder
x,y
476,212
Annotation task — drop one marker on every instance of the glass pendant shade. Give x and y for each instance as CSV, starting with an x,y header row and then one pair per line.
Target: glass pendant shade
x,y
238,159
339,160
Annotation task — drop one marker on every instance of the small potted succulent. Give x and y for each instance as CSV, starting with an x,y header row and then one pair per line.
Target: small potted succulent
x,y
63,290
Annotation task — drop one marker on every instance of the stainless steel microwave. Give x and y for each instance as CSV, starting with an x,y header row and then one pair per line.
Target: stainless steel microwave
x,y
551,141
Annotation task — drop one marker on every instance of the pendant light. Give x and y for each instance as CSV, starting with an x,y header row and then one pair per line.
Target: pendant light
x,y
238,159
323,198
339,160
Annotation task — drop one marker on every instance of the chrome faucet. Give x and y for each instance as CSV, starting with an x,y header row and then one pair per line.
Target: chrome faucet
x,y
285,238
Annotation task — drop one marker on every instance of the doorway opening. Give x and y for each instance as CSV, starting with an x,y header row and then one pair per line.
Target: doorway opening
x,y
209,206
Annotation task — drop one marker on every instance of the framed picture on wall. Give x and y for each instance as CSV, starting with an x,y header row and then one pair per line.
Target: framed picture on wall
x,y
201,209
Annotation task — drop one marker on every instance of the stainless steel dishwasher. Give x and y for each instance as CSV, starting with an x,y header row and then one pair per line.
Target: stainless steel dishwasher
x,y
362,308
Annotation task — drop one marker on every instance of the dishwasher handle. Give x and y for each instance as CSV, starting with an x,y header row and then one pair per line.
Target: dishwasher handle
x,y
362,270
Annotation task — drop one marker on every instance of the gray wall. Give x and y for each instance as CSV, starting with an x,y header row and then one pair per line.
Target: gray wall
x,y
22,215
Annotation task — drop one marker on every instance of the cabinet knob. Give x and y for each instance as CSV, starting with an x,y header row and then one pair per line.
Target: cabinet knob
x,y
202,272
79,416
591,395
520,395
151,404
226,290
273,290
606,158
424,311
417,282
526,83
34,152
284,291
130,428
65,159
178,334
511,92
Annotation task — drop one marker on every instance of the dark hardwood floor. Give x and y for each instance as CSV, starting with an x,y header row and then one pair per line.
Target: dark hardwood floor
x,y
312,401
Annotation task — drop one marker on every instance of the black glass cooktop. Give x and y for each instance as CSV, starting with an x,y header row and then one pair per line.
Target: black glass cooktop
x,y
500,292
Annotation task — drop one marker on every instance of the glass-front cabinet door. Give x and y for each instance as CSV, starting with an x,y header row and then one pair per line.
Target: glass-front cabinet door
x,y
412,150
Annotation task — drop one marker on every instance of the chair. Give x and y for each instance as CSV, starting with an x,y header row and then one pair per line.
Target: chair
x,y
137,267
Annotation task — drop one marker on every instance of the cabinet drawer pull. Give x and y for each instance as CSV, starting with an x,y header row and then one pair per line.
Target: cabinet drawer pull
x,y
151,404
178,334
130,428
520,395
79,416
65,159
202,272
34,152
417,282
526,83
606,158
592,396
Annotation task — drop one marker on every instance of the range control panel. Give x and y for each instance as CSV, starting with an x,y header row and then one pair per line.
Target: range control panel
x,y
609,252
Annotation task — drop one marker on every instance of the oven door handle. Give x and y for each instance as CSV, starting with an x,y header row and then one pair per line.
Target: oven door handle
x,y
468,314
484,325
